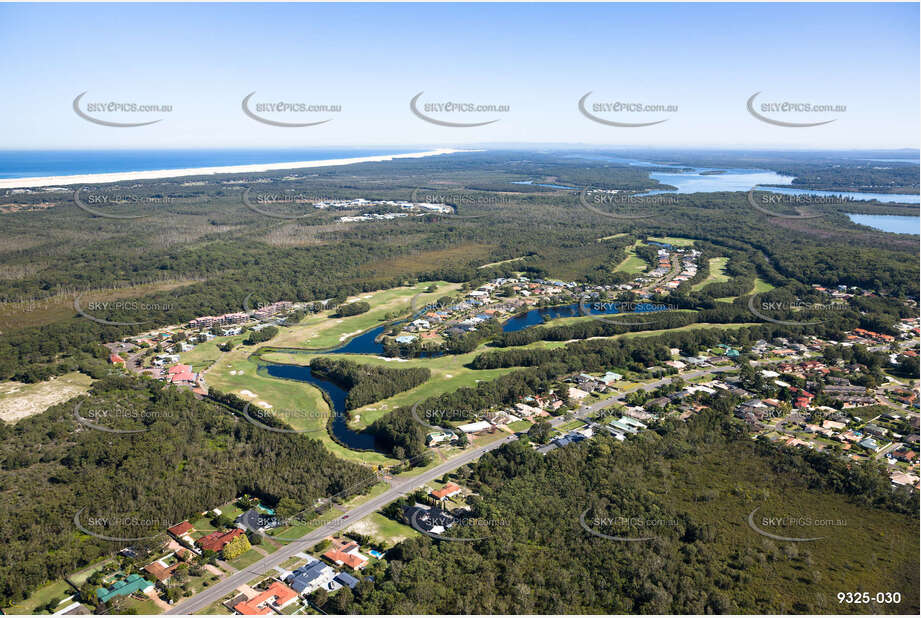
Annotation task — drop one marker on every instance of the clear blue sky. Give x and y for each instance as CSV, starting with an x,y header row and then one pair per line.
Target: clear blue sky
x,y
537,58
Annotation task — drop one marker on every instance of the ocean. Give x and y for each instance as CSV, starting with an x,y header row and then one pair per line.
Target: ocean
x,y
38,163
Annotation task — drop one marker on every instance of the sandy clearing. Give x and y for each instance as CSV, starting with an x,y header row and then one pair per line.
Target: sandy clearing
x,y
264,405
247,393
347,335
34,398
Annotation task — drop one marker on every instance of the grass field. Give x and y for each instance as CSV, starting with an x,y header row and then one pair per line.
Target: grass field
x,y
19,400
761,286
322,331
204,354
672,240
54,591
382,529
449,373
717,273
632,264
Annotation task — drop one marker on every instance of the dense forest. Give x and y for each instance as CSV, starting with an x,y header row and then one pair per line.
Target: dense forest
x,y
203,252
184,456
365,383
226,252
689,487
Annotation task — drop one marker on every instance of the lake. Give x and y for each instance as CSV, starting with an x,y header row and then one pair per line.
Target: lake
x,y
536,317
340,429
897,224
703,180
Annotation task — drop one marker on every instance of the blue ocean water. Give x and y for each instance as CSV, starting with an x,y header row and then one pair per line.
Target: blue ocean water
x,y
32,163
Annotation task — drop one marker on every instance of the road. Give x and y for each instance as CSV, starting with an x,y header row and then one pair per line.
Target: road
x,y
226,586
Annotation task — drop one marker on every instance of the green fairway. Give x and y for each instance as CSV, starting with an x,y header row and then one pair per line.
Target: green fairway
x,y
449,373
761,286
672,240
299,404
632,264
717,273
323,330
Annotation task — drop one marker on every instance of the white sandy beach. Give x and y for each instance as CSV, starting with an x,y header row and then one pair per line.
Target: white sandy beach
x,y
89,179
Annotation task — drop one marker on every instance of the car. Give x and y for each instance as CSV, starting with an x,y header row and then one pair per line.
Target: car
x,y
345,517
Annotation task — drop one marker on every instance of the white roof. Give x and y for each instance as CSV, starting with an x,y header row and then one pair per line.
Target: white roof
x,y
474,427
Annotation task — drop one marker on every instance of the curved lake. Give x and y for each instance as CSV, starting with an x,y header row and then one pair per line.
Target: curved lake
x,y
358,440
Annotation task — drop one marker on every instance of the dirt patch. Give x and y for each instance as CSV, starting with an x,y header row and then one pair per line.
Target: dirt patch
x,y
19,400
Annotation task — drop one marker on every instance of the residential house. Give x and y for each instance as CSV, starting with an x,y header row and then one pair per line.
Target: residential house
x,y
276,597
448,491
310,577
216,541
348,555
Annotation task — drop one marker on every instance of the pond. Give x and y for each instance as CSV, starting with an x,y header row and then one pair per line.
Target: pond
x,y
358,440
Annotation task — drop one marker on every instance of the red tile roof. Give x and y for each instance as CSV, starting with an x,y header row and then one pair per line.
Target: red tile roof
x,y
445,491
181,529
115,358
277,593
340,557
217,540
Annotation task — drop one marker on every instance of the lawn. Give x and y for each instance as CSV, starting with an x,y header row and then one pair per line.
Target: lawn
x,y
632,264
55,591
672,240
145,608
717,273
382,529
449,373
521,425
247,559
322,331
571,425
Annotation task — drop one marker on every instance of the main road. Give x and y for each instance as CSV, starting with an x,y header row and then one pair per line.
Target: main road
x,y
226,586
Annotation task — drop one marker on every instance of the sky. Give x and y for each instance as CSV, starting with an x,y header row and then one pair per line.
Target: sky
x,y
539,60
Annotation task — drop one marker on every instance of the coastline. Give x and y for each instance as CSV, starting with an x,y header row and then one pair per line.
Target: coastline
x,y
46,181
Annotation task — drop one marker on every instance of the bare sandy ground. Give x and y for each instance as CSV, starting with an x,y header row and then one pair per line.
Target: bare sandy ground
x,y
89,179
21,400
